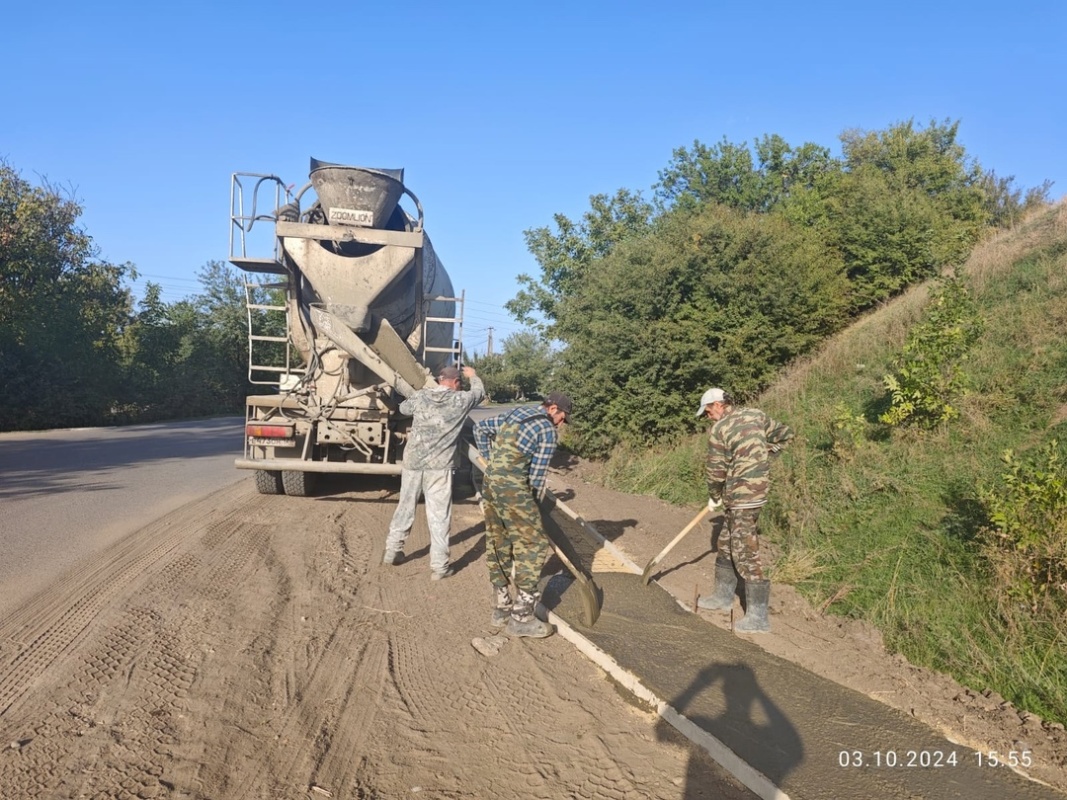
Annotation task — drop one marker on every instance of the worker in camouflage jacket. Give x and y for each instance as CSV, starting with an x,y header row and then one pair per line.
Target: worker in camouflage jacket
x,y
740,444
438,413
517,447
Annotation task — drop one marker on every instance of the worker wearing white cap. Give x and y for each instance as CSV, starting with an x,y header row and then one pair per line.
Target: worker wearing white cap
x,y
740,443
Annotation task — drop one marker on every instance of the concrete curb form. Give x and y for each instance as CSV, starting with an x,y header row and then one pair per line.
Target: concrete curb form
x,y
754,780
751,778
862,717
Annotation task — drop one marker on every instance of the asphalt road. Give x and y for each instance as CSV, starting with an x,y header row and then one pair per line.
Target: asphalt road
x,y
64,494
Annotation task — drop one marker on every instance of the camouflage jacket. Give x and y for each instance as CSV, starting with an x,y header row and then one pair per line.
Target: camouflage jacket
x,y
438,414
739,449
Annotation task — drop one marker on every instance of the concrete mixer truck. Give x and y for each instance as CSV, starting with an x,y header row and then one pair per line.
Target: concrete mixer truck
x,y
349,311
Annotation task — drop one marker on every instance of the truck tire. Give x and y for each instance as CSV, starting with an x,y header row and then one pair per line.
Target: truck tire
x,y
269,482
298,484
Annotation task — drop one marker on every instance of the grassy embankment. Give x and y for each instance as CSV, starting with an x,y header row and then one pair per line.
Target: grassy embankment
x,y
887,524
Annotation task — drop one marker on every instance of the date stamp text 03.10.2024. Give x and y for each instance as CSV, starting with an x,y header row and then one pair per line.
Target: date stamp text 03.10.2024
x,y
933,759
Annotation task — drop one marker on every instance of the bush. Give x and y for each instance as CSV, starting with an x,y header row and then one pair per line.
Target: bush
x,y
847,432
928,377
1026,542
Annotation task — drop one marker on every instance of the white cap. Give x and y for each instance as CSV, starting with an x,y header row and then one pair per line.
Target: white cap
x,y
709,397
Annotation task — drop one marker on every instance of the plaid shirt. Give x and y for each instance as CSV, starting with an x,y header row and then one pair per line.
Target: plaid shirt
x,y
537,438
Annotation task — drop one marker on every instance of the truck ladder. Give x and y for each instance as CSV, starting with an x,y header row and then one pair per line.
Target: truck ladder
x,y
457,343
277,368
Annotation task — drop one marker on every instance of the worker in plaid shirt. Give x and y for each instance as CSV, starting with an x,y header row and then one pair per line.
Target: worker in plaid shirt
x,y
517,447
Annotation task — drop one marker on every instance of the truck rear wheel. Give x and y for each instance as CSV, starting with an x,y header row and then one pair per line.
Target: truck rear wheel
x,y
269,482
298,484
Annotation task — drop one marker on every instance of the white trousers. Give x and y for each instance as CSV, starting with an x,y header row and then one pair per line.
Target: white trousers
x,y
436,486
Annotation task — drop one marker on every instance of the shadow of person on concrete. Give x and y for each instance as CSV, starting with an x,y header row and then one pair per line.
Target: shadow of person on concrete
x,y
750,724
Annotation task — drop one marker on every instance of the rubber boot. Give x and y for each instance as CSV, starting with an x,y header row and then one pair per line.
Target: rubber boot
x,y
501,606
523,622
757,596
722,598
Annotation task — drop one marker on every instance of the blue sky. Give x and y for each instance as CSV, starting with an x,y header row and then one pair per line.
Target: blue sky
x,y
501,115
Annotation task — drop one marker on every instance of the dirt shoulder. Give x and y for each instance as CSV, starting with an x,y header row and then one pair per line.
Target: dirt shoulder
x,y
848,652
255,647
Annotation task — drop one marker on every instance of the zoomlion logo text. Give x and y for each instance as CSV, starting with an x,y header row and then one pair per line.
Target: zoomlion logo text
x,y
351,216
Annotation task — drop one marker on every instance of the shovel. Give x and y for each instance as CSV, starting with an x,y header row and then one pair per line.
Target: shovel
x,y
647,574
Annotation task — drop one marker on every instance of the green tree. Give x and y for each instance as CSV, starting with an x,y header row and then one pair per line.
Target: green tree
x,y
62,311
748,258
788,170
525,368
529,364
1026,540
928,376
738,177
907,204
490,368
190,358
1006,204
722,173
565,255
931,163
217,344
715,297
148,347
889,236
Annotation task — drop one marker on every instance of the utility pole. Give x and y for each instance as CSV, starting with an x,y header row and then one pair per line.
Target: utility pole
x,y
489,347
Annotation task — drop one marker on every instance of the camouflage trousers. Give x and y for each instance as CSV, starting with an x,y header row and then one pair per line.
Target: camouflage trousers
x,y
514,537
436,486
742,542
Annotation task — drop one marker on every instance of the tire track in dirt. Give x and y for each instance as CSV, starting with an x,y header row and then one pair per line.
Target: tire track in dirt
x,y
39,634
322,664
129,676
252,646
448,711
347,729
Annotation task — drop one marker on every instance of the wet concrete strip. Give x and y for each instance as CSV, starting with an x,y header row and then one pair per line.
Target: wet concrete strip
x,y
778,728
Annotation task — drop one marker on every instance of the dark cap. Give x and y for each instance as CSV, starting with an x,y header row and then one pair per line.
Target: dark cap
x,y
448,374
560,401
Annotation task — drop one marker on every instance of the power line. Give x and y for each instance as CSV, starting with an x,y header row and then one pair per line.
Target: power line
x,y
490,315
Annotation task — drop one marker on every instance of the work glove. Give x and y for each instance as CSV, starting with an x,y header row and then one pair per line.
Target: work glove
x,y
714,505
